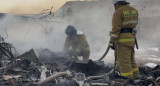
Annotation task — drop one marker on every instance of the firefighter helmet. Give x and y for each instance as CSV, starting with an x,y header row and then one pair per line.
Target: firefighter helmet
x,y
115,1
71,31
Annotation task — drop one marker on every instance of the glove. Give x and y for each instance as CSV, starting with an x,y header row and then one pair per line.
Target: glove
x,y
112,45
73,53
72,56
77,50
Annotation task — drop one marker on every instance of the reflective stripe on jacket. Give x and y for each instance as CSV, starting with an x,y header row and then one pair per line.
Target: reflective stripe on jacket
x,y
125,16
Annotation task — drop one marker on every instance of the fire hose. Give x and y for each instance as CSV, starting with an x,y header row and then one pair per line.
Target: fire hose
x,y
53,77
105,53
99,77
107,74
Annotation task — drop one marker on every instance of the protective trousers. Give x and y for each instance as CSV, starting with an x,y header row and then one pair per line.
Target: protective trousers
x,y
126,62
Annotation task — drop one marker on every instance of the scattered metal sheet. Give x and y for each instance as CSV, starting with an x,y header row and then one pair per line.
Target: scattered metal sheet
x,y
30,56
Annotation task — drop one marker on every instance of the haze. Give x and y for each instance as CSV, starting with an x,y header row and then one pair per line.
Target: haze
x,y
29,6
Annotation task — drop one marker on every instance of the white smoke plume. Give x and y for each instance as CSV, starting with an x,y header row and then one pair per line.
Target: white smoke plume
x,y
93,18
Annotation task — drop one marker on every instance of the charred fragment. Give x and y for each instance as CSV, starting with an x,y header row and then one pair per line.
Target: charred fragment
x,y
6,50
88,73
43,67
30,56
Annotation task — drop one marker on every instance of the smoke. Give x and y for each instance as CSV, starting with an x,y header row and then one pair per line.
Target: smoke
x,y
26,33
94,19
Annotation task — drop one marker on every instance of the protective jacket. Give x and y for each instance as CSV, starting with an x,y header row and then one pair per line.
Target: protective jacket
x,y
79,43
77,47
125,16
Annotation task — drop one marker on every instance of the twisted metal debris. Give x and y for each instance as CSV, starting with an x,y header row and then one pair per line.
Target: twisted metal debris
x,y
61,71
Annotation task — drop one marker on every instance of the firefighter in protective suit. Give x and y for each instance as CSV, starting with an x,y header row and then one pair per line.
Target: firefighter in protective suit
x,y
122,38
76,43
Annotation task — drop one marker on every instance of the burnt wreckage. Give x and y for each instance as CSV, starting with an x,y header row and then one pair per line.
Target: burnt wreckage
x,y
56,69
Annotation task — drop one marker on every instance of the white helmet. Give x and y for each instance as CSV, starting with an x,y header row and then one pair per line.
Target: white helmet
x,y
115,1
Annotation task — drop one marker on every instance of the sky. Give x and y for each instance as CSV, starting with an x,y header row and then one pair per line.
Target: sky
x,y
36,6
29,6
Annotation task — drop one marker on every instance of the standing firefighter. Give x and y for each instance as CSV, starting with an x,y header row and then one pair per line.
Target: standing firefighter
x,y
122,40
76,43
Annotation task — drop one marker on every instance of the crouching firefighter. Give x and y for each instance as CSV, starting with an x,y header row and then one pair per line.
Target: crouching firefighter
x,y
76,44
122,38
